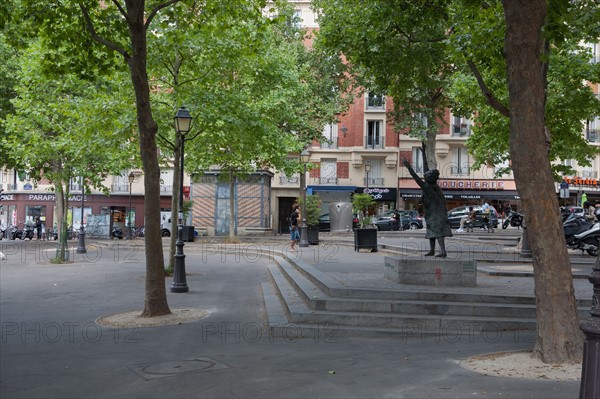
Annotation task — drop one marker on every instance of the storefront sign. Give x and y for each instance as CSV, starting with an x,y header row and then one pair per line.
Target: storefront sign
x,y
581,181
8,197
381,194
471,184
52,197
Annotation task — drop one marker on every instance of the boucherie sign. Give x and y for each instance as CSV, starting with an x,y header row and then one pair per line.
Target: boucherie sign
x,y
471,184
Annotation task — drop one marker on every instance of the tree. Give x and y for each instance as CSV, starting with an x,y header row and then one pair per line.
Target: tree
x,y
59,131
522,58
546,100
90,37
403,54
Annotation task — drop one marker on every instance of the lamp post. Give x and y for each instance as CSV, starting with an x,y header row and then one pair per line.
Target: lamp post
x,y
131,178
183,121
304,158
81,245
367,169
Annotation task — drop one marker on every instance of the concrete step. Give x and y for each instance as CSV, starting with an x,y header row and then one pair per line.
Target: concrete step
x,y
303,301
300,315
316,299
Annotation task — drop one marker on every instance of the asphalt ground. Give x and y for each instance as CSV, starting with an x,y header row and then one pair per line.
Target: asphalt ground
x,y
52,347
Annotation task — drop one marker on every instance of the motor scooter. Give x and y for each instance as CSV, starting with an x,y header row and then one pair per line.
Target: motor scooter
x,y
583,235
28,232
514,219
117,233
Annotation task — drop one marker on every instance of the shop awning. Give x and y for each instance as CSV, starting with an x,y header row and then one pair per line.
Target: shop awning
x,y
311,189
466,194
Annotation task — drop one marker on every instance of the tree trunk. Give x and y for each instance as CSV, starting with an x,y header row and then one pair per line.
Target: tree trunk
x,y
559,338
61,202
231,204
155,303
430,149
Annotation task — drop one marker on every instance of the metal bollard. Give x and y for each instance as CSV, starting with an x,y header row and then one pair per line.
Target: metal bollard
x,y
525,248
590,371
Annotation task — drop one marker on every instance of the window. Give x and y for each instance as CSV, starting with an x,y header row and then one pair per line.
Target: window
x,y
592,130
330,132
461,126
417,158
166,180
375,177
328,171
461,162
375,102
374,130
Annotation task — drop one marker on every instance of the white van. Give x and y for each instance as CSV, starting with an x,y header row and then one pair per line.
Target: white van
x,y
166,226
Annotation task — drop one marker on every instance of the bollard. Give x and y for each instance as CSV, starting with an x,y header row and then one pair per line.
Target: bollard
x,y
590,371
525,248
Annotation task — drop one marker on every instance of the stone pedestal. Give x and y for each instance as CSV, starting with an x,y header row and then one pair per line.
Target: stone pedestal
x,y
441,272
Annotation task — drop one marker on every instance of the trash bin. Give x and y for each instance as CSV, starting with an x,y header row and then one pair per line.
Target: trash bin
x,y
187,233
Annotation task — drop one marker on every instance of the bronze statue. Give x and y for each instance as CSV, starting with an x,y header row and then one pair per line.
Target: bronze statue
x,y
436,214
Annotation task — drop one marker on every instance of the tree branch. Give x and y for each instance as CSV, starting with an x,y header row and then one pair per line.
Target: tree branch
x,y
155,11
167,141
98,38
487,93
121,10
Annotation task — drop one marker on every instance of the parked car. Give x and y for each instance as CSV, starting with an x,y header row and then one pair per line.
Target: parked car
x,y
456,214
325,222
408,220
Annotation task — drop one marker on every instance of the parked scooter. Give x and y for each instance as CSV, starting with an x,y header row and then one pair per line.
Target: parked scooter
x,y
3,232
15,233
117,233
583,235
28,232
514,219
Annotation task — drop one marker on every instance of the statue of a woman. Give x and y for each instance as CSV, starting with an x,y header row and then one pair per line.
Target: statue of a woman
x,y
436,214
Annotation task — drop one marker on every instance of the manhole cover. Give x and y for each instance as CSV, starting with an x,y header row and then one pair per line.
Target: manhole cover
x,y
171,368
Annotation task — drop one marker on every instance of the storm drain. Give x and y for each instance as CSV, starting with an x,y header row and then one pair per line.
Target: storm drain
x,y
172,368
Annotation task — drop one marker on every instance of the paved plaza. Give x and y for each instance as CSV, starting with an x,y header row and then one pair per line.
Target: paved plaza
x,y
52,347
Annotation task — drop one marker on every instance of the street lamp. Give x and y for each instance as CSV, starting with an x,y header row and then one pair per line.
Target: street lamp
x,y
304,158
183,121
81,246
131,178
367,169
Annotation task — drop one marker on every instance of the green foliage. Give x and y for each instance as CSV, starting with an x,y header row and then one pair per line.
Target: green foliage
x,y
478,37
362,202
313,209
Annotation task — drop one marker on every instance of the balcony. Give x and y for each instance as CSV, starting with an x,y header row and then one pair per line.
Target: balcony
x,y
592,135
375,103
289,181
330,143
589,174
459,170
373,181
119,188
328,180
461,130
11,187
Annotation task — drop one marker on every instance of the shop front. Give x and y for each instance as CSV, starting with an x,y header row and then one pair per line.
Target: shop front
x,y
18,209
498,193
578,188
385,197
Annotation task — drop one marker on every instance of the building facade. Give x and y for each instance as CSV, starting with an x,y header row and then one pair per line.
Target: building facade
x,y
23,200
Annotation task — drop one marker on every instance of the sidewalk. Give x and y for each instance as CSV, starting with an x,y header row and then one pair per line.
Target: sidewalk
x,y
51,346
